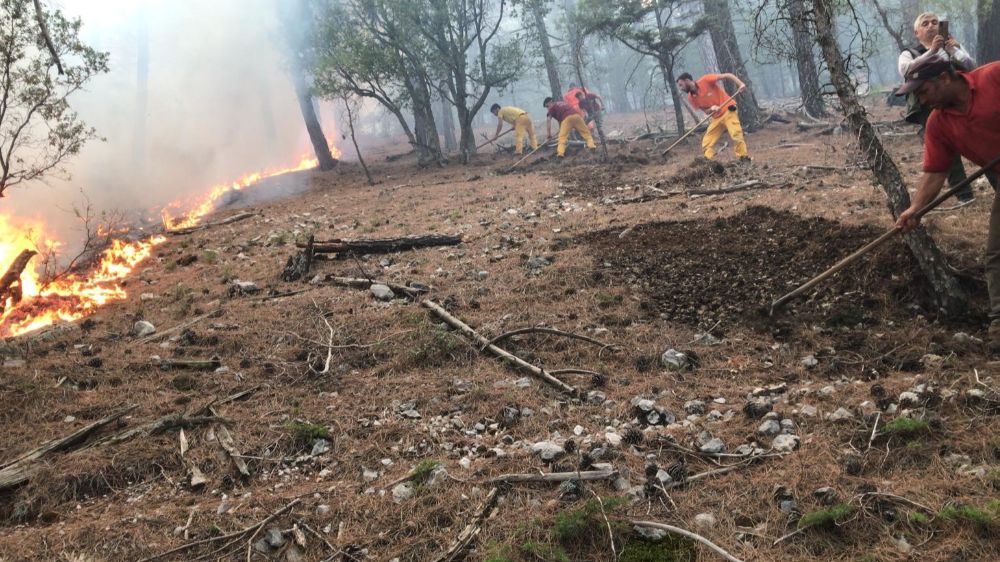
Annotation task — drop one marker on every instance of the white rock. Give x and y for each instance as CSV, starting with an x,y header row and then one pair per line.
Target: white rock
x,y
142,328
578,430
613,439
785,443
547,450
769,427
402,492
382,292
675,360
809,361
714,445
704,521
465,463
808,411
842,414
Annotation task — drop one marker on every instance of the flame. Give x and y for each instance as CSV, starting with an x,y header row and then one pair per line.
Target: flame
x,y
76,296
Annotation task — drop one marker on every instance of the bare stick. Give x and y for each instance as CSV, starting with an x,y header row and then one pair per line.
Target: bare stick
x,y
874,427
685,533
881,239
210,314
358,283
490,141
383,245
574,372
552,331
611,534
207,225
471,530
752,184
583,476
505,355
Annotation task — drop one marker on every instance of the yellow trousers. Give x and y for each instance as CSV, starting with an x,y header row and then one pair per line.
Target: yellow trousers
x,y
573,123
522,124
729,121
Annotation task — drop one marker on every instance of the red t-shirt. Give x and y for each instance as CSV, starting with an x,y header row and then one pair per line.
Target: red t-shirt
x,y
710,92
974,134
560,110
570,96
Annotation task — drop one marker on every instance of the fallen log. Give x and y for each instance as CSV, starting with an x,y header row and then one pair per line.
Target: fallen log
x,y
484,343
752,184
191,364
207,225
18,471
583,476
10,283
383,245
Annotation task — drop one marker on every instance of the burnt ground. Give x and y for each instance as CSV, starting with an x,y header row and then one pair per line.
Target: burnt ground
x,y
887,399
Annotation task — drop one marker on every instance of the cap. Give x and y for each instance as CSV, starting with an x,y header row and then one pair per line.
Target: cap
x,y
922,71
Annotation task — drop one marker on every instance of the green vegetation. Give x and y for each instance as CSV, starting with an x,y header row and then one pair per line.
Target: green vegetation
x,y
907,426
917,518
827,517
606,300
543,551
988,516
305,433
579,523
670,548
209,256
422,471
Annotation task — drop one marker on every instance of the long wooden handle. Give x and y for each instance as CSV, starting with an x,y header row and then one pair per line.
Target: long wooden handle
x,y
490,141
881,239
695,128
528,155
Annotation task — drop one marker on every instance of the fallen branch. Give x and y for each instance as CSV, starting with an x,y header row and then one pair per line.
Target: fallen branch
x,y
471,530
539,373
190,364
253,528
18,471
642,198
358,283
752,184
583,476
383,245
552,331
214,313
685,533
226,441
207,225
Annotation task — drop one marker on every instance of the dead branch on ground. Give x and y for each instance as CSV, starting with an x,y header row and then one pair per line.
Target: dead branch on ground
x,y
538,372
685,533
752,184
227,443
471,530
207,225
583,476
383,245
357,283
553,331
214,313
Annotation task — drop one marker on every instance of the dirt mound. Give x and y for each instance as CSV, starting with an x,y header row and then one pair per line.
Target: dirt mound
x,y
697,172
702,271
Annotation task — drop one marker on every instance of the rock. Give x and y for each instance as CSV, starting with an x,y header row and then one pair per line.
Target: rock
x,y
538,262
411,413
547,450
909,399
769,428
714,416
323,509
320,446
523,382
675,360
788,426
243,288
706,339
841,414
596,397
381,292
696,407
142,328
649,533
757,408
713,446
465,462
827,392
613,439
369,475
578,430
293,554
482,275
932,361
69,419
704,521
963,338
643,404
785,443
402,492
274,538
509,416
809,361
261,546
808,411
779,388
826,494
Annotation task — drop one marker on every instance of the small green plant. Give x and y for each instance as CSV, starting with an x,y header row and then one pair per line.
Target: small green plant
x,y
667,549
917,518
986,517
606,300
422,471
305,433
455,215
171,265
544,551
578,523
826,517
906,426
209,256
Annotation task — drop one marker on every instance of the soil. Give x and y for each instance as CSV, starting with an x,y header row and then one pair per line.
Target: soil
x,y
392,390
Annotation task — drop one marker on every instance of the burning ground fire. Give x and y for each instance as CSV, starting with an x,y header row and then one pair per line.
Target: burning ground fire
x,y
76,296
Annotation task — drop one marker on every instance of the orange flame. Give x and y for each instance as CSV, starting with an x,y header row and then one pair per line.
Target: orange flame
x,y
75,296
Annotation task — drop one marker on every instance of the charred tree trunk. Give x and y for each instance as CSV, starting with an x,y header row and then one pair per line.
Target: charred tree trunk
x,y
988,34
10,283
727,52
326,159
951,297
537,8
812,98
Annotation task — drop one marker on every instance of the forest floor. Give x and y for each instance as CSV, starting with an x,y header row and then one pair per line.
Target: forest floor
x,y
858,420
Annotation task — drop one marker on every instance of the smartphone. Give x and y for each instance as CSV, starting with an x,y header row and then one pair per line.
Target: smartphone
x,y
943,29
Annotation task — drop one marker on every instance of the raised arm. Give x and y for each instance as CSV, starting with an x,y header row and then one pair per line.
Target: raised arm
x,y
735,80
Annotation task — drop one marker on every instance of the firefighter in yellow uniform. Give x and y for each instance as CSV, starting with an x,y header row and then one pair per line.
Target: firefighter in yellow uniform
x,y
569,118
521,121
708,95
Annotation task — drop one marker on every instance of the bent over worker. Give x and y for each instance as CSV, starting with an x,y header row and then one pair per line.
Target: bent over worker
x,y
521,121
965,120
708,95
569,118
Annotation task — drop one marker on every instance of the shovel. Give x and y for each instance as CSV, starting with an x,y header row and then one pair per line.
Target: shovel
x,y
529,155
695,128
881,239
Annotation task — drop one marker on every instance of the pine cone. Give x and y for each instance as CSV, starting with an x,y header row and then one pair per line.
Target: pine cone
x,y
678,471
632,437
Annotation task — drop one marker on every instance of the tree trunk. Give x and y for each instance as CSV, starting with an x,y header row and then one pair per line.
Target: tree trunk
x,y
448,124
425,133
812,99
326,159
667,68
727,52
537,8
988,35
951,297
619,75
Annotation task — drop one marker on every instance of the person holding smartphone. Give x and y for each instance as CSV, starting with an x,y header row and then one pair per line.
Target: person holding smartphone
x,y
935,42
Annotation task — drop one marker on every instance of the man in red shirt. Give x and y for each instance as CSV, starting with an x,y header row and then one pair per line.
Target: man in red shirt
x,y
708,95
965,120
569,118
592,105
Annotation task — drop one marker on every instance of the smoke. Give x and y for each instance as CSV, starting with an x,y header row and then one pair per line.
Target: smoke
x,y
216,103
